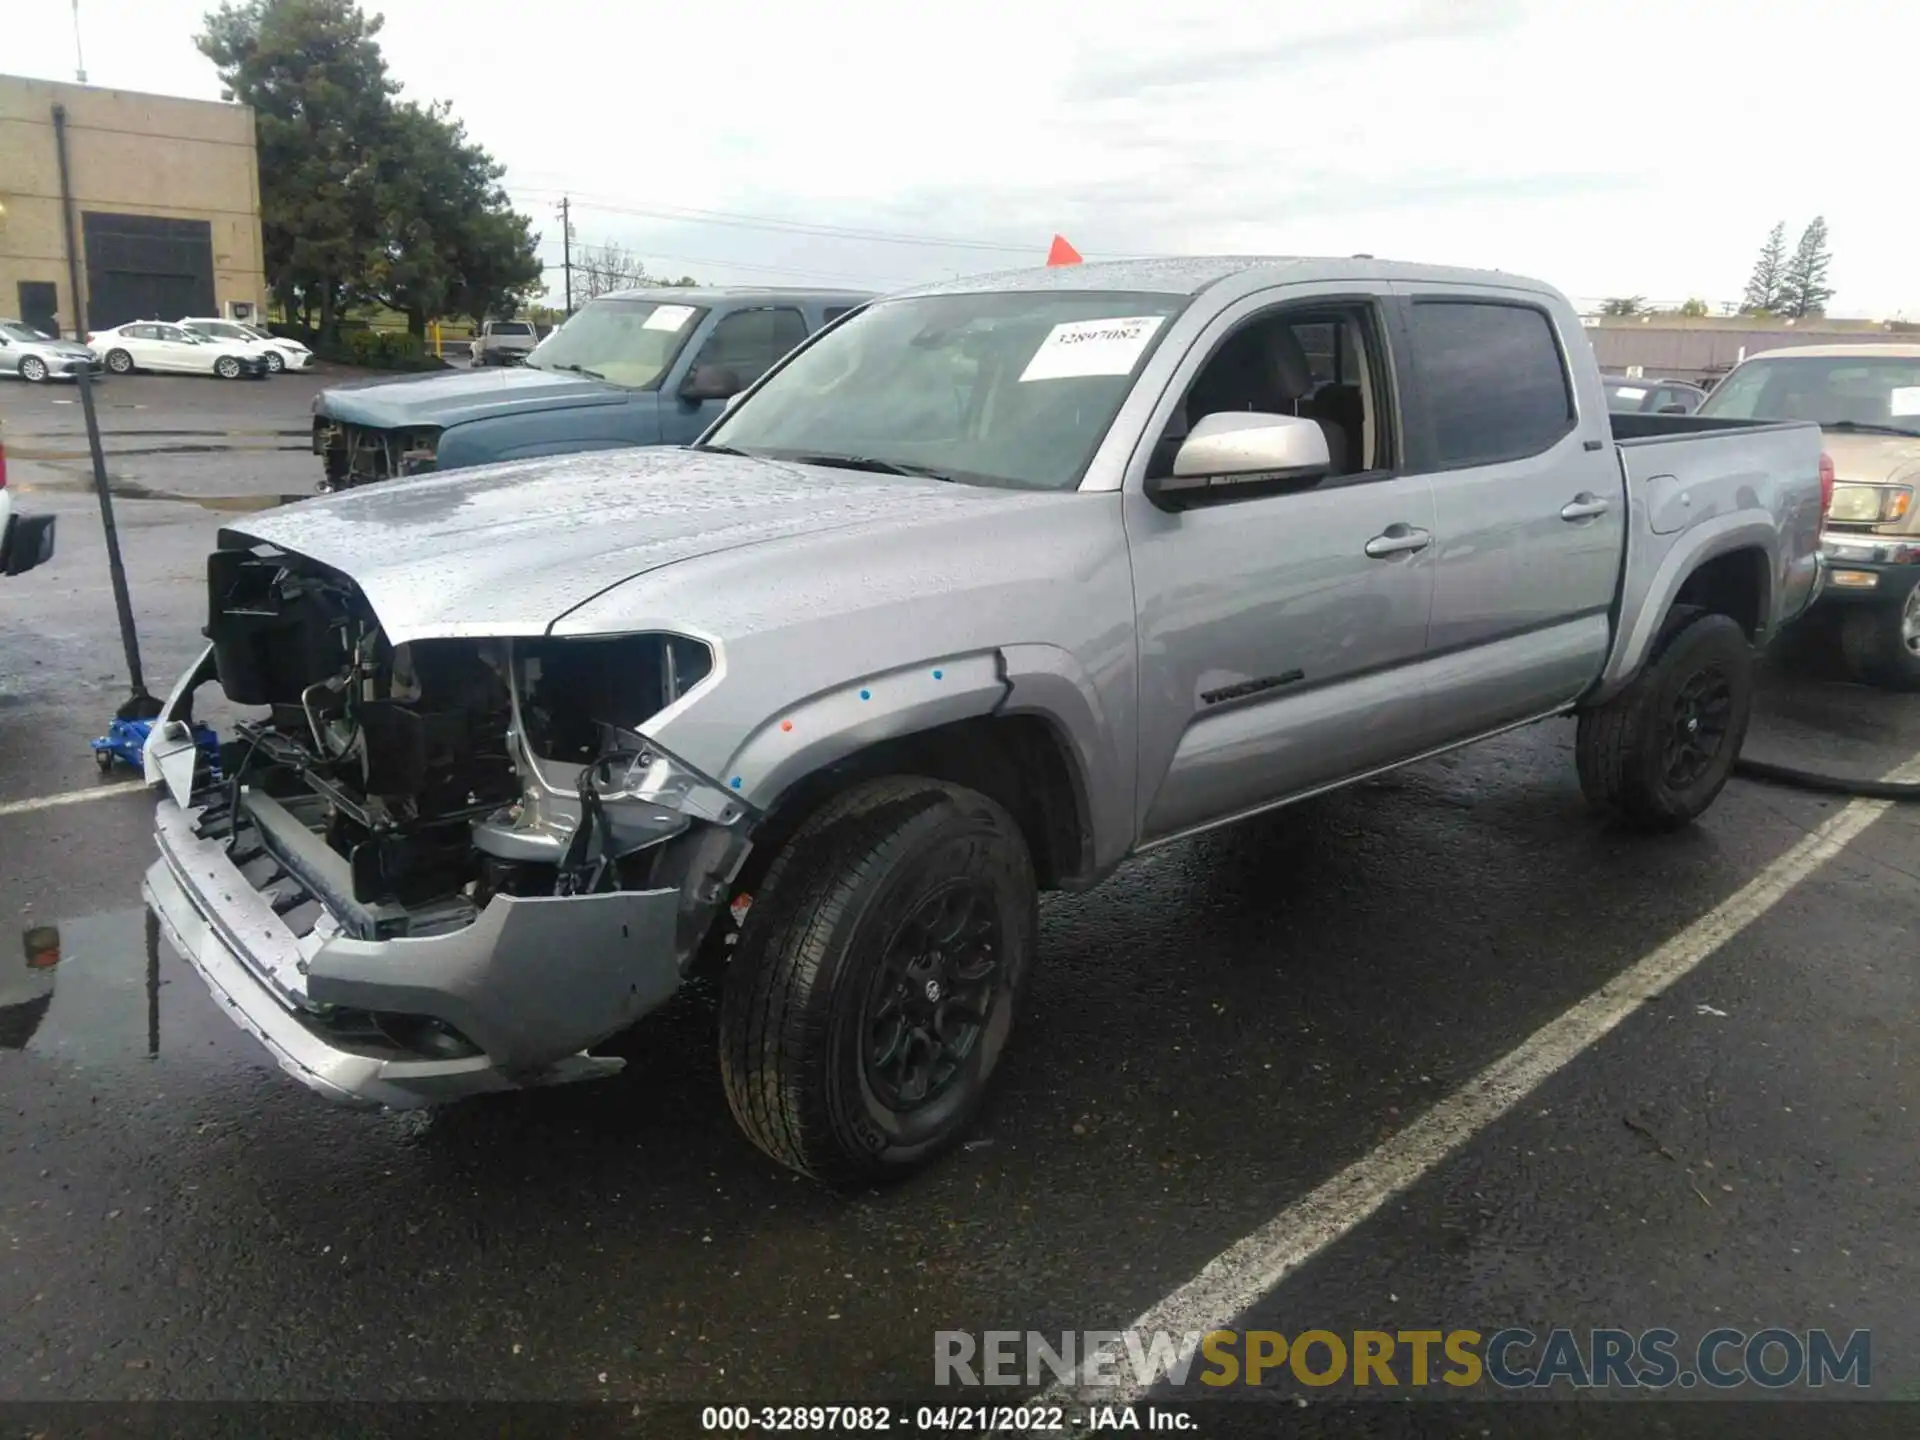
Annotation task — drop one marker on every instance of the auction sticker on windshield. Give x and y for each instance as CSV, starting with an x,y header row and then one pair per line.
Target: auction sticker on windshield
x,y
1091,347
668,317
1905,400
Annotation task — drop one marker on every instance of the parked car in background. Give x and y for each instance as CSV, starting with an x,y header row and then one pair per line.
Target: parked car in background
x,y
166,348
26,541
979,592
1652,397
1867,400
504,342
279,353
640,367
34,355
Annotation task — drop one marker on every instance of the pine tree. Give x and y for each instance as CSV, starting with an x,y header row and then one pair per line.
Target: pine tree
x,y
1763,289
1803,286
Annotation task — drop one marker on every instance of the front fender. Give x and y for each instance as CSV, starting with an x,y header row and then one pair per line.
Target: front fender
x,y
1654,579
1046,680
834,723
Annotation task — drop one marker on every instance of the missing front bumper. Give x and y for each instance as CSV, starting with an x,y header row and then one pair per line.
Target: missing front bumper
x,y
532,981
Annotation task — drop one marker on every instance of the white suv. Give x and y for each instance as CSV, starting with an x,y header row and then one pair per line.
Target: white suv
x,y
280,354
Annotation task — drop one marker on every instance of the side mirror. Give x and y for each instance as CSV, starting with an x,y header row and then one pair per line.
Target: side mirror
x,y
1230,454
733,400
711,382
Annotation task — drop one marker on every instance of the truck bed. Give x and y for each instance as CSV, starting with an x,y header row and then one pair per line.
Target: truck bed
x,y
1699,487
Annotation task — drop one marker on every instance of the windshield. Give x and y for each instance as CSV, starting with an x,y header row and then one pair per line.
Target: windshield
x,y
1013,388
21,332
1873,390
627,342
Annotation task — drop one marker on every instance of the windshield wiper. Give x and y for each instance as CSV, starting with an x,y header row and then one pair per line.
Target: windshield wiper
x,y
1867,427
575,369
871,464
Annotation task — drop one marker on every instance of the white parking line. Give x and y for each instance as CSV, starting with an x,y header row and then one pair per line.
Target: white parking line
x,y
1237,1278
72,797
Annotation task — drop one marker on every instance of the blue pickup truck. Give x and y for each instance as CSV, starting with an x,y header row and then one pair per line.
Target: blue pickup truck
x,y
637,367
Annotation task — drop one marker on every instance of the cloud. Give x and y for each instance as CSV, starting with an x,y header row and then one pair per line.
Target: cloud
x,y
1226,58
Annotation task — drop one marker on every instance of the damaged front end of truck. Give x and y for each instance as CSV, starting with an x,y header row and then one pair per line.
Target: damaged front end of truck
x,y
436,868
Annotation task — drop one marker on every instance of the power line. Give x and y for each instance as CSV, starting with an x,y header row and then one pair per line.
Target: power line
x,y
690,215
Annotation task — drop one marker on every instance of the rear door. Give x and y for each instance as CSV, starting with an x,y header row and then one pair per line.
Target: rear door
x,y
1529,514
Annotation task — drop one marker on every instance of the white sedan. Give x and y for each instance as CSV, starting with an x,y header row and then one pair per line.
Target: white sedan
x,y
281,353
155,345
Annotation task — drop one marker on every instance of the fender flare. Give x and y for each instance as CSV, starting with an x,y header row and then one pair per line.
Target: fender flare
x,y
1638,626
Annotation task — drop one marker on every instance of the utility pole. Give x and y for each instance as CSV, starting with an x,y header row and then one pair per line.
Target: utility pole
x,y
566,242
79,60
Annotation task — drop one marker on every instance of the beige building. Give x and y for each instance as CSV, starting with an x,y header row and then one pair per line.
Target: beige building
x,y
166,205
1677,347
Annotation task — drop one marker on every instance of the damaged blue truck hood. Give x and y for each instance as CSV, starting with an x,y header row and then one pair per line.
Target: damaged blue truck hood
x,y
445,399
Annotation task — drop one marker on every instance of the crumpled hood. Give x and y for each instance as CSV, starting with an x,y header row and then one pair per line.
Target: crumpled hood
x,y
1872,459
510,549
448,398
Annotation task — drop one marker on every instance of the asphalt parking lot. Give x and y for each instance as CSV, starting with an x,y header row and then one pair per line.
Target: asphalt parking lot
x,y
1246,1038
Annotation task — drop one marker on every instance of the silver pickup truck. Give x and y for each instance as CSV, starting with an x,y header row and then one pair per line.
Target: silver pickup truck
x,y
984,589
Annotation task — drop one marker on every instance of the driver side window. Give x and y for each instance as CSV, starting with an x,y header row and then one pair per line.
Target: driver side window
x,y
748,342
1325,363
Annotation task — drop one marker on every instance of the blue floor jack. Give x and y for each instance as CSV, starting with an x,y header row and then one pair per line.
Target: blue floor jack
x,y
126,741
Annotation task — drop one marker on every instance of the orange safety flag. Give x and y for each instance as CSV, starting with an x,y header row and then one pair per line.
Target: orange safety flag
x,y
1062,253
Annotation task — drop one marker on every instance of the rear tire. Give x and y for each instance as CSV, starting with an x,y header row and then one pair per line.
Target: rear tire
x,y
1658,753
877,979
1881,643
119,362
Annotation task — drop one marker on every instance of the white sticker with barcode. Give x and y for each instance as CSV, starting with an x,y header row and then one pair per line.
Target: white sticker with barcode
x,y
1091,347
668,317
1904,400
1627,392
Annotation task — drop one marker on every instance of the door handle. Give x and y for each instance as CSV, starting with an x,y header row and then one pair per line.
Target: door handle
x,y
1398,540
1583,506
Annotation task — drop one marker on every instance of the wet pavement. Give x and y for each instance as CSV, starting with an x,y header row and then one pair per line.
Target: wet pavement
x,y
1212,1035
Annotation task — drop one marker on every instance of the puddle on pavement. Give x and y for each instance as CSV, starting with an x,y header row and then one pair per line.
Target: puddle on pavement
x,y
117,998
124,489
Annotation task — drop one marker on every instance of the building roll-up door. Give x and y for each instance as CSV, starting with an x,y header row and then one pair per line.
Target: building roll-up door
x,y
146,267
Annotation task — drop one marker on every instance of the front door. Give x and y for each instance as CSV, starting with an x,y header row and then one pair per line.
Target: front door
x,y
747,342
1529,515
1279,636
174,349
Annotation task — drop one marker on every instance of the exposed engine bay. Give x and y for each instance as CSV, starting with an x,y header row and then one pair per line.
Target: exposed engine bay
x,y
403,787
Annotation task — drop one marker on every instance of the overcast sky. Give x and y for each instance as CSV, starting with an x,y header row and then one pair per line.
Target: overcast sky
x,y
1626,148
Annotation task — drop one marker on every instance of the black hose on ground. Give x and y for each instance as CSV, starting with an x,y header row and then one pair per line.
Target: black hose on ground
x,y
1825,784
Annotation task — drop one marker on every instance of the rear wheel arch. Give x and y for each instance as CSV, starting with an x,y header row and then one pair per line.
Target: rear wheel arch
x,y
1737,583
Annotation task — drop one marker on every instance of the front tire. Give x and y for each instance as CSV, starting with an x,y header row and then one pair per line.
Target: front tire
x,y
1881,643
877,979
33,369
1658,753
227,368
276,362
119,362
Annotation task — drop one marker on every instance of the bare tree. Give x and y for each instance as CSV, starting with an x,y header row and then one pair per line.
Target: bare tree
x,y
600,269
